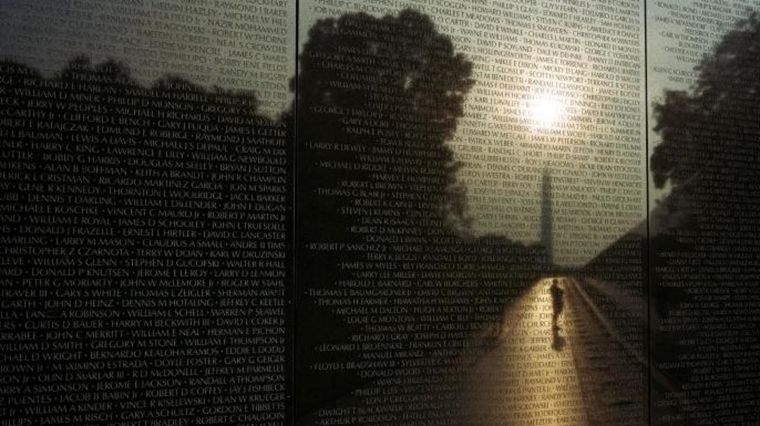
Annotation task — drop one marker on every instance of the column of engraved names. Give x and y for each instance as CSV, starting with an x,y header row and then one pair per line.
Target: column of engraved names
x,y
589,54
400,279
712,321
703,270
387,276
153,247
704,263
588,58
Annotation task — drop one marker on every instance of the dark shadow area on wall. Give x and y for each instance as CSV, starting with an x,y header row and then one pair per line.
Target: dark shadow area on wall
x,y
702,254
704,246
146,250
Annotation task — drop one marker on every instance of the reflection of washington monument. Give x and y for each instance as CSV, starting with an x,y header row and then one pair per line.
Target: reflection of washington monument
x,y
547,220
582,373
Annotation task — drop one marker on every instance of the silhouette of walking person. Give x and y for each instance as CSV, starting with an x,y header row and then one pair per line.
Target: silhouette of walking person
x,y
557,302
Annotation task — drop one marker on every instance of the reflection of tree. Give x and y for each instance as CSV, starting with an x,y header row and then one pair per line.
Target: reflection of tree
x,y
705,261
378,99
398,79
717,120
163,185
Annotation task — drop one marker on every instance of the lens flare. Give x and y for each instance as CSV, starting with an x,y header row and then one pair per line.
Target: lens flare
x,y
545,111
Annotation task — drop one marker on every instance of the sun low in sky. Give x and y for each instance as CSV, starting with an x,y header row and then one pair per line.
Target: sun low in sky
x,y
545,111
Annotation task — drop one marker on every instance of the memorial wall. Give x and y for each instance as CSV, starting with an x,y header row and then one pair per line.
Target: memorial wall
x,y
339,212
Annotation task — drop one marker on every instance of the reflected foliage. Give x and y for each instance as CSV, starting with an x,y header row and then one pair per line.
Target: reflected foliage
x,y
392,90
143,202
716,120
705,253
380,206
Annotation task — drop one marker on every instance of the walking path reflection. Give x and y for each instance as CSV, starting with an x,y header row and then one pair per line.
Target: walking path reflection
x,y
530,377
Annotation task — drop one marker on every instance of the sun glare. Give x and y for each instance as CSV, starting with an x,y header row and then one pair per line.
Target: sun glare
x,y
545,111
